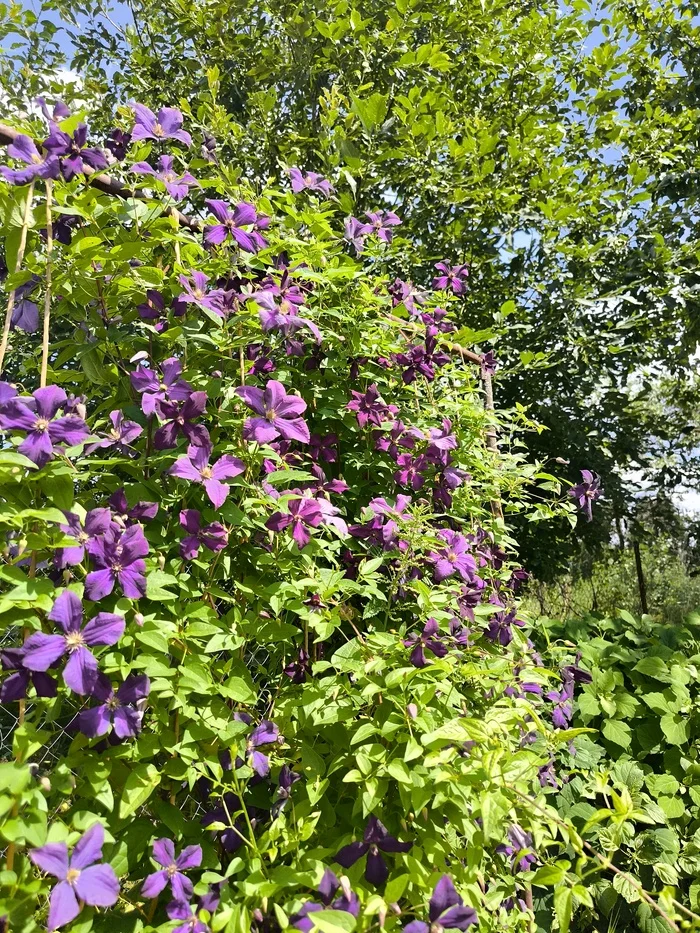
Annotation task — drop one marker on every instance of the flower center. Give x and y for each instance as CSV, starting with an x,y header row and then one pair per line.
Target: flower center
x,y
116,568
83,536
169,176
41,424
452,557
271,414
158,130
75,640
198,293
113,702
162,386
205,472
72,875
171,870
114,434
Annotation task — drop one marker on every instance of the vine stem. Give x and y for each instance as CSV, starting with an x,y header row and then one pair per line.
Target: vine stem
x,y
47,291
18,266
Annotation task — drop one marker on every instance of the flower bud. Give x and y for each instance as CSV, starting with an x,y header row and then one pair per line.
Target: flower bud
x,y
161,562
139,619
412,710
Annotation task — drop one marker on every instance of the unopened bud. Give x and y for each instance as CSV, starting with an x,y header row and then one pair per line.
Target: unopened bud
x,y
345,885
81,410
394,907
21,546
161,561
382,917
217,374
45,785
139,619
412,710
258,915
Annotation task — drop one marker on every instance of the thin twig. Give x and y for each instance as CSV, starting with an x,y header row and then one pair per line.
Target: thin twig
x,y
47,286
18,266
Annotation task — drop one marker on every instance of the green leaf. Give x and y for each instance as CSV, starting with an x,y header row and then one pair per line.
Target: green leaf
x,y
333,921
138,787
617,732
563,907
675,727
371,110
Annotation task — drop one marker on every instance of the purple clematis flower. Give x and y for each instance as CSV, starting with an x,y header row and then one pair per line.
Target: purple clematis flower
x,y
15,686
267,733
60,110
381,222
233,834
154,388
153,309
74,156
489,364
178,418
518,849
125,514
299,668
196,292
80,673
283,317
24,148
369,407
312,181
500,628
442,438
348,901
196,468
118,142
455,558
572,672
355,233
80,879
280,414
231,223
407,294
453,278
446,911
63,228
118,557
25,314
182,910
176,185
376,837
214,536
119,709
97,522
121,435
167,124
421,360
411,471
429,638
323,448
172,871
36,416
563,710
585,493
303,513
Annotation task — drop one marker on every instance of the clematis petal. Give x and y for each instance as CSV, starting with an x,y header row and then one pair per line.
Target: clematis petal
x,y
105,629
41,651
377,870
63,906
98,886
190,857
80,673
349,854
99,584
155,883
52,858
88,848
67,611
444,896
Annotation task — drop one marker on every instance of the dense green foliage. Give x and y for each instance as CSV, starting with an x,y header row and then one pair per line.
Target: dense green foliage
x,y
635,793
554,148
